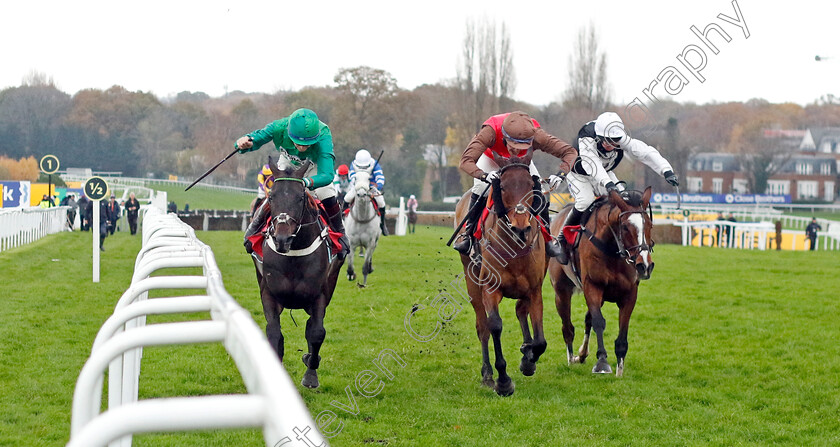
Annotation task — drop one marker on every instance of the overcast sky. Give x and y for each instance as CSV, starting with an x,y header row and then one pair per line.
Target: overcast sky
x,y
263,46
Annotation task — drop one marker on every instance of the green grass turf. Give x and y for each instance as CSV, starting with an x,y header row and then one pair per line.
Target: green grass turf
x,y
203,198
727,347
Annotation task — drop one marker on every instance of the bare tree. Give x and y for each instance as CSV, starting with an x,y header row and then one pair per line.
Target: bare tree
x,y
760,157
588,87
485,75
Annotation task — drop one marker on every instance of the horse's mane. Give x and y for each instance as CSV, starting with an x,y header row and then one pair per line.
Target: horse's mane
x,y
632,197
504,162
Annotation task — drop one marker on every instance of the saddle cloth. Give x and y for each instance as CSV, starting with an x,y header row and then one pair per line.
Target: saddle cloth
x,y
258,238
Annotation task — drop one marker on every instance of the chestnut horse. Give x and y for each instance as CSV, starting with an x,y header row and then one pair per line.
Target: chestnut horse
x,y
613,256
297,270
512,263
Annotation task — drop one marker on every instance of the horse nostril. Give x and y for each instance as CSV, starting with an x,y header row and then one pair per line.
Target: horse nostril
x,y
640,269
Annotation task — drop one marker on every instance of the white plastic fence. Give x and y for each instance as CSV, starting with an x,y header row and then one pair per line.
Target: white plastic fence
x,y
20,226
272,402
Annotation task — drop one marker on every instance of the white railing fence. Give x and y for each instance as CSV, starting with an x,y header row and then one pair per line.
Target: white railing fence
x,y
750,236
751,213
272,402
20,226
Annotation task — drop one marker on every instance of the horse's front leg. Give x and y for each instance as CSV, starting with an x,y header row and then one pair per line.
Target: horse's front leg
x,y
315,334
351,273
272,311
504,385
535,309
583,352
367,267
594,301
625,309
526,365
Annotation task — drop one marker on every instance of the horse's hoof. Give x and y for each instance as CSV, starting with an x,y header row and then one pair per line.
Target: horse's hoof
x,y
310,380
619,368
527,368
360,285
489,382
602,367
579,359
505,389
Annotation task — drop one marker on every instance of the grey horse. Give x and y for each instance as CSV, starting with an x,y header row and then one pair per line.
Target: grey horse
x,y
362,225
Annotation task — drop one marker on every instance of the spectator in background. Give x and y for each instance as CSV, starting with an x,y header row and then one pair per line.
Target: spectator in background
x,y
46,202
811,232
730,232
70,201
83,216
113,214
186,207
412,212
103,224
132,208
172,207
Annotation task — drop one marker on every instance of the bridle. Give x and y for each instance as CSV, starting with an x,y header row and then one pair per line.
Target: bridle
x,y
363,193
501,211
285,218
627,254
631,252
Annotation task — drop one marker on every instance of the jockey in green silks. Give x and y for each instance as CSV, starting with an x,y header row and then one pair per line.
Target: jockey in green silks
x,y
300,136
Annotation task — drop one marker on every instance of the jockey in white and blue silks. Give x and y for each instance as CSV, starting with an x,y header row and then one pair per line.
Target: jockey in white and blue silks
x,y
602,144
364,162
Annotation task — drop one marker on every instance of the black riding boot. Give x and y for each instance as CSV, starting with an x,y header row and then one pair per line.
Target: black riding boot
x,y
257,223
337,225
382,225
573,218
552,248
465,240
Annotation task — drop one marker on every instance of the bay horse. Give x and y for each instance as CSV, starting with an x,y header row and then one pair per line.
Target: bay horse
x,y
362,226
613,255
512,263
297,269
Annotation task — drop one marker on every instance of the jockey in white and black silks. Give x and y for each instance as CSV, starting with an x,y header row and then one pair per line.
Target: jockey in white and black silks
x,y
506,135
602,144
364,162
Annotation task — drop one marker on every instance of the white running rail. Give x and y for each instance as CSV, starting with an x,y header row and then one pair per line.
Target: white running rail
x,y
20,226
272,402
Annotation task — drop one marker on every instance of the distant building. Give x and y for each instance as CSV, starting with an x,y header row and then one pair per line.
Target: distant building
x,y
809,169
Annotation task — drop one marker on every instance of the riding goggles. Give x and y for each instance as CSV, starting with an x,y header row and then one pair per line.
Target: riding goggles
x,y
517,140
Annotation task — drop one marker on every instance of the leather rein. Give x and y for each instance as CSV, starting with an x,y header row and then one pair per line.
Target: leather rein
x,y
624,253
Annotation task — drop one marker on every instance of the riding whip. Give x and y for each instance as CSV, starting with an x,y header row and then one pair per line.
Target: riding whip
x,y
466,216
679,196
235,150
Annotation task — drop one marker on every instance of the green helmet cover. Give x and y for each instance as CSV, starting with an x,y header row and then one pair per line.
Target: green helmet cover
x,y
304,127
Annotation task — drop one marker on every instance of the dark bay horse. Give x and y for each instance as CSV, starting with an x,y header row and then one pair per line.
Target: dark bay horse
x,y
512,264
297,270
613,256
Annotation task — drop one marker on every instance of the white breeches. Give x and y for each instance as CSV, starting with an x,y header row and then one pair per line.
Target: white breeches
x,y
377,196
487,164
585,188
